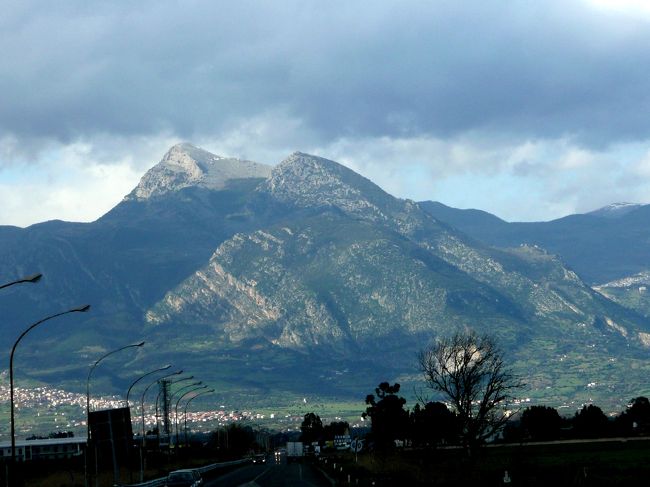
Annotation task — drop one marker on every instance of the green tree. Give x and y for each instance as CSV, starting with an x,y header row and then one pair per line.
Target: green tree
x,y
541,423
335,428
590,422
311,428
635,420
470,372
433,424
389,419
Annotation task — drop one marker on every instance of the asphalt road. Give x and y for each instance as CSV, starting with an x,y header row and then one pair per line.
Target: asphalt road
x,y
272,475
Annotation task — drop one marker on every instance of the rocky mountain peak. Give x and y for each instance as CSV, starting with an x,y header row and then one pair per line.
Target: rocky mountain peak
x,y
185,165
311,181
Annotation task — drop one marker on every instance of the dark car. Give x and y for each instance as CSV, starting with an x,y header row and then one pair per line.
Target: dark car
x,y
184,478
261,458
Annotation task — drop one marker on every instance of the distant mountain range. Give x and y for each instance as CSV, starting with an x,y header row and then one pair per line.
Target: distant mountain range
x,y
604,245
308,278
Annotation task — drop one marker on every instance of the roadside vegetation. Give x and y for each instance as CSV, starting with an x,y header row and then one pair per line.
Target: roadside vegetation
x,y
474,434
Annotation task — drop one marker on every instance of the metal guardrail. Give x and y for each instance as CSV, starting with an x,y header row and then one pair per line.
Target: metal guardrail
x,y
150,483
202,470
215,466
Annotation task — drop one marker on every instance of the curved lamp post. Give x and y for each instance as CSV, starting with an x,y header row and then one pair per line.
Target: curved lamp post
x,y
33,278
90,373
128,393
182,379
146,389
158,399
197,383
185,411
80,309
173,394
168,366
171,397
176,408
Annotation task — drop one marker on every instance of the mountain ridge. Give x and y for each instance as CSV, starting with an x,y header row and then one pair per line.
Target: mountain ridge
x,y
615,210
600,249
185,165
309,269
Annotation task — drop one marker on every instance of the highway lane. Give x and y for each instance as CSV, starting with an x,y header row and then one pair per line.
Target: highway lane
x,y
271,475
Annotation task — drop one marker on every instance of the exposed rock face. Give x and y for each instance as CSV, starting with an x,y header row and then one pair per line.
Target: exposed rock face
x,y
300,290
185,165
361,265
310,181
631,292
228,264
601,246
313,182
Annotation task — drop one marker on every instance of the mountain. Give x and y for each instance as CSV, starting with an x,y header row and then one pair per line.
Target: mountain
x,y
615,210
306,278
187,166
601,246
631,292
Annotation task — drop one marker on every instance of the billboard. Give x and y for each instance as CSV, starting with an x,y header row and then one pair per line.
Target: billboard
x,y
111,433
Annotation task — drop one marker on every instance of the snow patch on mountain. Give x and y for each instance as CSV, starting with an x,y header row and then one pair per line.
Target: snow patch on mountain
x,y
615,210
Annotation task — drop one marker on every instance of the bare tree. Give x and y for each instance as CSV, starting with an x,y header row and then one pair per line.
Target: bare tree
x,y
469,370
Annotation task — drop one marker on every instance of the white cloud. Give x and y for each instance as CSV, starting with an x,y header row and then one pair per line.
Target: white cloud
x,y
76,182
631,7
531,180
642,167
529,110
267,138
576,158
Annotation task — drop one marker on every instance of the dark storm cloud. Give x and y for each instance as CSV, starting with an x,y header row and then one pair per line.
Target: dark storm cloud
x,y
72,70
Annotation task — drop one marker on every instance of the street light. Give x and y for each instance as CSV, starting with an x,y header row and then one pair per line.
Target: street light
x,y
80,309
197,383
128,393
90,372
33,278
182,379
171,397
176,408
146,389
210,391
168,399
142,377
178,372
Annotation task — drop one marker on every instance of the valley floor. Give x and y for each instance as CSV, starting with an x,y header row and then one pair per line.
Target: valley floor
x,y
614,462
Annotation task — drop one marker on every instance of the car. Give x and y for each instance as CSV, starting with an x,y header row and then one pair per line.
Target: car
x,y
261,458
184,478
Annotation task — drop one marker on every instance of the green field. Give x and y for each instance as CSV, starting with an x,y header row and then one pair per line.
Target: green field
x,y
606,463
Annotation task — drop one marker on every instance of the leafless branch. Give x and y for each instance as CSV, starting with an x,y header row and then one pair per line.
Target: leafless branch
x,y
470,371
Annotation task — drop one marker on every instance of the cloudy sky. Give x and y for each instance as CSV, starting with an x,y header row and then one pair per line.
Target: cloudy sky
x,y
528,109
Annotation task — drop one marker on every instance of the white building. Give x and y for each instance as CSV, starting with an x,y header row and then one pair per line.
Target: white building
x,y
48,449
